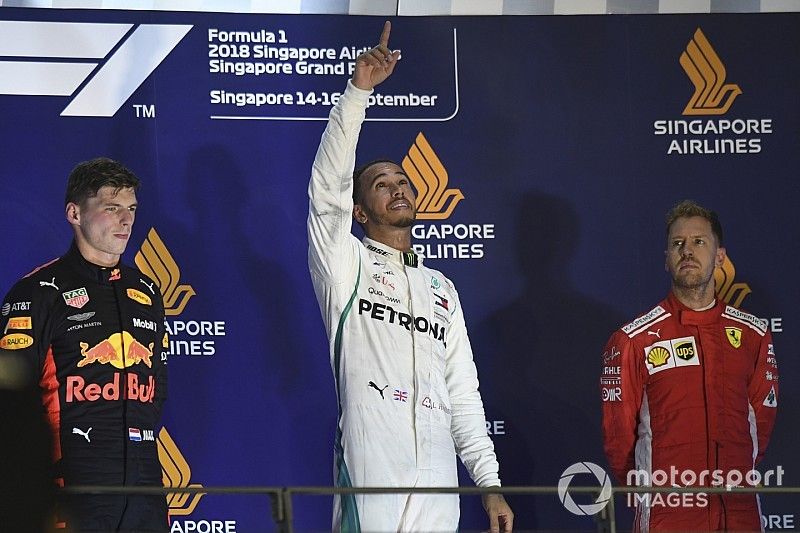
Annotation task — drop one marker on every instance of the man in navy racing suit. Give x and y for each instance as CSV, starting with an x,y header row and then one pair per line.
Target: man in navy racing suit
x,y
93,329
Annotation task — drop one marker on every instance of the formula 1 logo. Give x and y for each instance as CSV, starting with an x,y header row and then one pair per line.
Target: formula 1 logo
x,y
429,177
176,472
705,69
154,259
99,64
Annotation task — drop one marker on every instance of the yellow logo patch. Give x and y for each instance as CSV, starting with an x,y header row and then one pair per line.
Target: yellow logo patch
x,y
734,336
140,297
19,322
16,341
658,356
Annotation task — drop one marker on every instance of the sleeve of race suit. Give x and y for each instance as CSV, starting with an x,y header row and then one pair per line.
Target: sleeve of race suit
x,y
763,392
621,391
468,421
25,327
330,192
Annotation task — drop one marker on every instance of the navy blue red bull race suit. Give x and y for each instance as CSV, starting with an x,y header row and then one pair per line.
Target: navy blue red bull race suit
x,y
96,337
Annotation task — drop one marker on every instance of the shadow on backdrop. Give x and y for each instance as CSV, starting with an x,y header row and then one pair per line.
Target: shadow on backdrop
x,y
543,379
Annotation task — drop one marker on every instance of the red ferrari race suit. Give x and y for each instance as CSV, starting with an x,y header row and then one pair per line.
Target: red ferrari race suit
x,y
689,398
95,337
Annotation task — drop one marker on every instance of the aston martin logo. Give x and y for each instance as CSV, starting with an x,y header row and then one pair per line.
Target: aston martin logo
x,y
728,291
154,259
175,472
705,69
435,201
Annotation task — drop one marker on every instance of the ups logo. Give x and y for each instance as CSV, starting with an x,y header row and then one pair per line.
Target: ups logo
x,y
685,350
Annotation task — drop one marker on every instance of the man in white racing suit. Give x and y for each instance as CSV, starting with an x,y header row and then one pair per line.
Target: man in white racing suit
x,y
405,380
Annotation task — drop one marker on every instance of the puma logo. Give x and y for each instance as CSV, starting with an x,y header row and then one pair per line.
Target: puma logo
x,y
85,435
51,283
149,286
657,333
372,384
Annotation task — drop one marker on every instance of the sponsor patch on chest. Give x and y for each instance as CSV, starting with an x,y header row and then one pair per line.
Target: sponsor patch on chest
x,y
671,353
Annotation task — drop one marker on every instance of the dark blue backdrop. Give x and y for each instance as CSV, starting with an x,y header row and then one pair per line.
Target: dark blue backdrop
x,y
546,126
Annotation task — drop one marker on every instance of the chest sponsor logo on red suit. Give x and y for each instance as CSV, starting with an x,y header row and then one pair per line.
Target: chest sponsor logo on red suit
x,y
734,336
110,351
671,353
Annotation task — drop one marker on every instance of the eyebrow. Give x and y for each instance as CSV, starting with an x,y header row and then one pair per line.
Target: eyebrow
x,y
386,174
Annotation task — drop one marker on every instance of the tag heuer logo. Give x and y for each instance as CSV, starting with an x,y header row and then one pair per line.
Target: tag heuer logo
x,y
77,298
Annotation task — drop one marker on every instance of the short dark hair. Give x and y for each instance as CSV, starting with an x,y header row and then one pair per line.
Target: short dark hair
x,y
357,177
690,208
88,177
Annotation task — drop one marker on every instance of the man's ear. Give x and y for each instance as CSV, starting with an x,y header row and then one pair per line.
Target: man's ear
x,y
720,257
73,213
359,214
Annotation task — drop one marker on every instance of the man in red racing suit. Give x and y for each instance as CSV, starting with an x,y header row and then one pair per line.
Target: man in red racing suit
x,y
94,330
689,392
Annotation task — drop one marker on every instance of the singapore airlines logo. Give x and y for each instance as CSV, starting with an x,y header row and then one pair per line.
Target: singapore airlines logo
x,y
427,173
154,259
175,472
728,291
100,65
712,96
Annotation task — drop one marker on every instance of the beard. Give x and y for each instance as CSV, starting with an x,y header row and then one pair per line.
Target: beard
x,y
405,222
692,279
398,221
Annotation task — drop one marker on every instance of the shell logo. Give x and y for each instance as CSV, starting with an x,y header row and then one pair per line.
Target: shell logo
x,y
658,356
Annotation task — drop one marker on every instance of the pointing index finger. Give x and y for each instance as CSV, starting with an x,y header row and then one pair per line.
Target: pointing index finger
x,y
387,29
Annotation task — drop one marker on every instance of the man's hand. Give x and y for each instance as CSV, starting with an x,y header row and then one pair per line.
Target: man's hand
x,y
501,518
376,64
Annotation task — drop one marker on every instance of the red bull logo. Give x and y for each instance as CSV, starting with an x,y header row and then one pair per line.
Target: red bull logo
x,y
120,350
80,391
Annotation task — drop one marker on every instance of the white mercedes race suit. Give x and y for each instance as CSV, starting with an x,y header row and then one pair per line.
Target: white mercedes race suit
x,y
406,383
